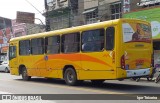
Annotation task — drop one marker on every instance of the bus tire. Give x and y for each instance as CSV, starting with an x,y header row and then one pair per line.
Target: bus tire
x,y
70,76
97,82
25,75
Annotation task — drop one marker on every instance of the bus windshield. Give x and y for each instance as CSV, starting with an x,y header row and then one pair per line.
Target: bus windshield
x,y
136,32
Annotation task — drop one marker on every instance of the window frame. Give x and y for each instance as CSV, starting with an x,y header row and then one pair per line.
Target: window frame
x,y
15,52
103,40
116,11
91,17
37,46
113,45
59,44
25,47
78,43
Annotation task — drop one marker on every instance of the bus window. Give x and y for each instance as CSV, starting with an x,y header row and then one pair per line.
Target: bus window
x,y
156,45
52,45
93,40
37,46
70,43
24,47
136,32
110,38
12,52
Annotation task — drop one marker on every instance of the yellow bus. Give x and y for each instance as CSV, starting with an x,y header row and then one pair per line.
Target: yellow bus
x,y
109,50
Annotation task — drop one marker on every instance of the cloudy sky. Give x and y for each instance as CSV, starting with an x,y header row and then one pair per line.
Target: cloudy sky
x,y
9,8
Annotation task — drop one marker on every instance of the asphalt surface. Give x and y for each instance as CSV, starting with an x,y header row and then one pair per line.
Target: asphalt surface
x,y
10,84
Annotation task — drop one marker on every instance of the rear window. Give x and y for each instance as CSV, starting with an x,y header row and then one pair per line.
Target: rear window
x,y
136,32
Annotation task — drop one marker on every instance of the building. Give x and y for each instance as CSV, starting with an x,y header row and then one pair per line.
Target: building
x,y
60,13
101,10
21,29
148,10
34,28
67,13
5,35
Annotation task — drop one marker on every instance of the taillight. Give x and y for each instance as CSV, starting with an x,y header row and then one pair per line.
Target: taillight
x,y
152,60
123,62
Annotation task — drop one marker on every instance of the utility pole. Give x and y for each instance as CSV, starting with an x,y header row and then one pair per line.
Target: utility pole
x,y
70,12
73,7
33,6
47,27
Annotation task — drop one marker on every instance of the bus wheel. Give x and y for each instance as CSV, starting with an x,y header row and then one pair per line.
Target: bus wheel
x,y
25,75
97,82
70,76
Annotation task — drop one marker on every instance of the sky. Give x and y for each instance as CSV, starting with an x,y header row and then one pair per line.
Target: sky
x,y
9,8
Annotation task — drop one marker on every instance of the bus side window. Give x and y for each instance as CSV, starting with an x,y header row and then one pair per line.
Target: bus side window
x,y
110,33
70,43
37,46
93,40
24,47
52,45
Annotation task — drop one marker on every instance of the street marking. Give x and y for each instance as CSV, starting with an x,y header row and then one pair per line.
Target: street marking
x,y
1,92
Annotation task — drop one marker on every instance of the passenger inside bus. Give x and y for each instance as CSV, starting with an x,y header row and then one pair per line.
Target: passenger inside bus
x,y
88,44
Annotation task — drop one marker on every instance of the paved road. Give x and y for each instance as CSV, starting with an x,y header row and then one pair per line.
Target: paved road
x,y
15,85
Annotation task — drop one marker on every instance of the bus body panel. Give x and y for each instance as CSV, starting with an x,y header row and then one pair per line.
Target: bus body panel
x,y
34,67
58,62
98,65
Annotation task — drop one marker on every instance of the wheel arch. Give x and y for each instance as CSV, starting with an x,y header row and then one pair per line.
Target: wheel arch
x,y
21,68
68,66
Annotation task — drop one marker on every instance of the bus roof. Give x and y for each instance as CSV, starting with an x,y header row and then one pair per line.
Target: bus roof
x,y
73,29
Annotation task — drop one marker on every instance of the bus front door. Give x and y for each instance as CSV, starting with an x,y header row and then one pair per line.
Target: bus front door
x,y
13,60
